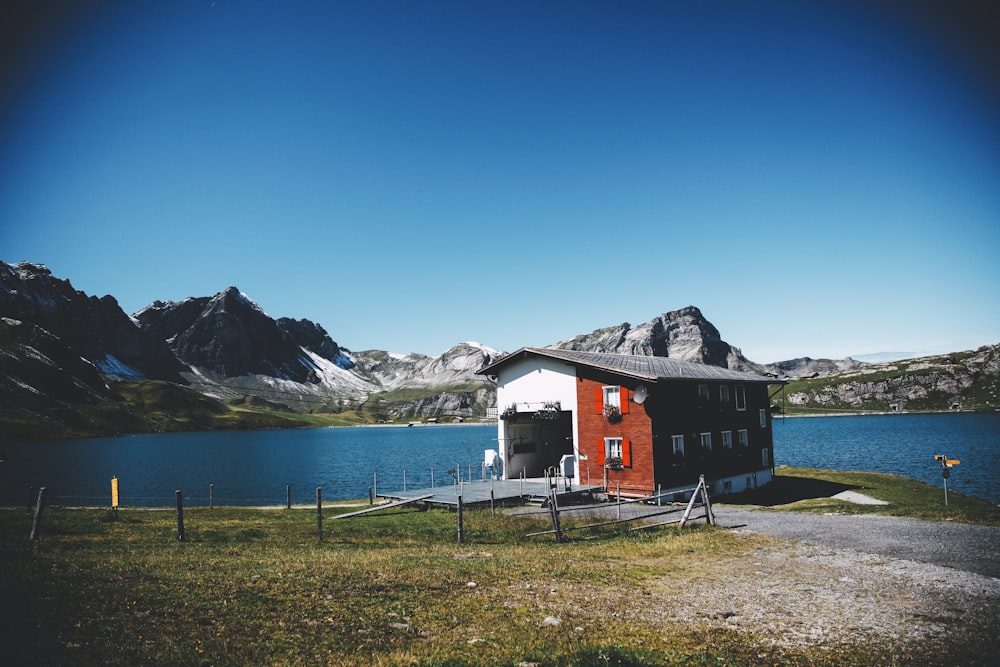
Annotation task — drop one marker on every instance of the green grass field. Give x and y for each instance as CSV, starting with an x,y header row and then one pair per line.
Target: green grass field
x,y
251,586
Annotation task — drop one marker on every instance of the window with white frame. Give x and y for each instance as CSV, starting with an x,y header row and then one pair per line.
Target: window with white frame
x,y
743,438
706,441
724,393
741,397
678,444
612,448
727,439
763,418
612,397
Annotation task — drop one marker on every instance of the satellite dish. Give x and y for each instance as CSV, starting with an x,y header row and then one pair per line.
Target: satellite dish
x,y
639,395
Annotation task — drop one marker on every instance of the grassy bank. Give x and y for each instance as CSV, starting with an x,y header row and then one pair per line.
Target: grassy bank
x,y
810,490
256,587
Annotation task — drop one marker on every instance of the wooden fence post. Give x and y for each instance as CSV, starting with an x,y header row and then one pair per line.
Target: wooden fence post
x,y
709,515
319,513
180,515
618,498
211,496
554,510
36,523
288,496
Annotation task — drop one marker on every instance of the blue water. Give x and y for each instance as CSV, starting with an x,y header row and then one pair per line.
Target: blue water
x,y
898,444
254,467
245,467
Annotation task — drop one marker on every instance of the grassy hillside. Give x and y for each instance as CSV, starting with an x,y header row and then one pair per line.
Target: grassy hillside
x,y
961,381
142,407
460,400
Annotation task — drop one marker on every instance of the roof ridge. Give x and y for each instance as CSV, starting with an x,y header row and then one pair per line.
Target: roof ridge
x,y
644,367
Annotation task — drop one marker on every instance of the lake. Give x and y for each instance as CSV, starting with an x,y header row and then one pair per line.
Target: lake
x,y
254,467
899,444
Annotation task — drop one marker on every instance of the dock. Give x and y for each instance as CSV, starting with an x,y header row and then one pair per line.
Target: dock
x,y
500,491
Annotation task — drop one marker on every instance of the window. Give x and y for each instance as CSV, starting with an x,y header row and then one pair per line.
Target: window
x,y
724,393
703,392
742,435
765,457
727,439
741,397
619,448
613,447
706,441
763,418
613,397
678,443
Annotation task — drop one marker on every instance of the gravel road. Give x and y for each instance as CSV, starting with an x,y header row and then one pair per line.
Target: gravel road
x,y
959,546
835,580
881,584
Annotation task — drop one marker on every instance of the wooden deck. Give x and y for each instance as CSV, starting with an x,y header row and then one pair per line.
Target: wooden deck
x,y
480,492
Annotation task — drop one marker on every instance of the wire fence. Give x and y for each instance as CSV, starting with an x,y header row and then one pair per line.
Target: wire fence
x,y
280,494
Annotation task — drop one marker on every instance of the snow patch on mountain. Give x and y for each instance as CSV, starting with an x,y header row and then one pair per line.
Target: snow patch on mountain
x,y
115,368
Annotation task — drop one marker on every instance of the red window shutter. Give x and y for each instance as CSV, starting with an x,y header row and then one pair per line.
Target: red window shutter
x,y
599,398
601,453
626,452
624,399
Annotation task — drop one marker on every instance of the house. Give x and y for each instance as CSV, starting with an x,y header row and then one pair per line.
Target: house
x,y
637,424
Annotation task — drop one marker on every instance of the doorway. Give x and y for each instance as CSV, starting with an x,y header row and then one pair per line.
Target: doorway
x,y
534,445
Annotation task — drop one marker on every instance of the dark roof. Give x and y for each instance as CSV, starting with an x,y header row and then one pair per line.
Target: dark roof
x,y
636,366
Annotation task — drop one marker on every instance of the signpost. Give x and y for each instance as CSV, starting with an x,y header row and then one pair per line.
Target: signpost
x,y
946,465
114,494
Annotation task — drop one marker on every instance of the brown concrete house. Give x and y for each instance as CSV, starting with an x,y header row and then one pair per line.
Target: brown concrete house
x,y
635,423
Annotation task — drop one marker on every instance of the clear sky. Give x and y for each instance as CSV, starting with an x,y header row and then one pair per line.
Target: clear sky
x,y
820,178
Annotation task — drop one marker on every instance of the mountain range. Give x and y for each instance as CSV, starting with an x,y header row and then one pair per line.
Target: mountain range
x,y
62,348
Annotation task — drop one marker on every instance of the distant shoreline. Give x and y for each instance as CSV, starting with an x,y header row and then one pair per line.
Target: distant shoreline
x,y
884,414
419,424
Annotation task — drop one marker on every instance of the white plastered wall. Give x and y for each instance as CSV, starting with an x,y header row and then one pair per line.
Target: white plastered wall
x,y
528,384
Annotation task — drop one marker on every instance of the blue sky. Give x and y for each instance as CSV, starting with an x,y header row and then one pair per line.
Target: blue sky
x,y
820,178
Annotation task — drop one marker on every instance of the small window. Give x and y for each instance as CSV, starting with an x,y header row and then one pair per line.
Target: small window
x,y
741,397
744,439
727,439
612,397
703,392
612,400
678,443
765,457
763,418
617,451
724,393
706,441
613,447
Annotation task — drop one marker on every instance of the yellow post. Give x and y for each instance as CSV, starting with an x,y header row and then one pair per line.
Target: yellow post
x,y
114,493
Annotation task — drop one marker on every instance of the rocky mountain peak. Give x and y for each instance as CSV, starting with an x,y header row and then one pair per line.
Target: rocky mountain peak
x,y
230,335
682,334
96,328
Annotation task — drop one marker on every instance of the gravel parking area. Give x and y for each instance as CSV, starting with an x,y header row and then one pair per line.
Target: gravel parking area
x,y
959,546
832,581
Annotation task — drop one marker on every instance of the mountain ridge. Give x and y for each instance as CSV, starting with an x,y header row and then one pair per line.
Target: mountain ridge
x,y
228,348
